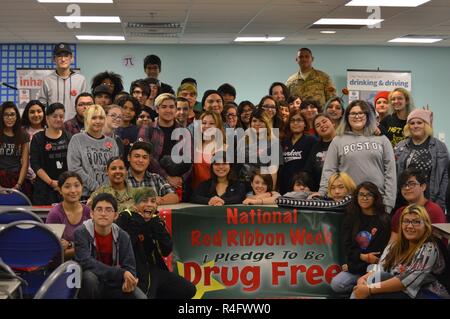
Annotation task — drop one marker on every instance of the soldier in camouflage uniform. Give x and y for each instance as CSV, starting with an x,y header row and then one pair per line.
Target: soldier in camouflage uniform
x,y
310,83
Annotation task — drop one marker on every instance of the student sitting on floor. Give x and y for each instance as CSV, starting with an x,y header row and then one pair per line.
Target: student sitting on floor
x,y
105,254
300,186
365,233
151,242
340,185
70,211
409,266
222,188
262,193
339,190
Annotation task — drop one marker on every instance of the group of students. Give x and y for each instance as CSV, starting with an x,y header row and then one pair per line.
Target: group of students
x,y
121,252
115,142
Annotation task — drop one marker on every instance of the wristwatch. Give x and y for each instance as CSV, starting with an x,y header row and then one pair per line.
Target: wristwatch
x,y
70,245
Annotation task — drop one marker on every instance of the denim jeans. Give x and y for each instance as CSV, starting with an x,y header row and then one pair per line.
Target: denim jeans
x,y
93,288
344,282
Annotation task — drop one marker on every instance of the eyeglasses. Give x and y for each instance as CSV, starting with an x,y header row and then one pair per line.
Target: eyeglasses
x,y
297,121
108,210
5,115
365,195
231,115
115,117
410,185
414,222
85,104
108,84
357,114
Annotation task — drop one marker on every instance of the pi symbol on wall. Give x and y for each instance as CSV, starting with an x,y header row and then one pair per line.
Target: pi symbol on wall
x,y
128,61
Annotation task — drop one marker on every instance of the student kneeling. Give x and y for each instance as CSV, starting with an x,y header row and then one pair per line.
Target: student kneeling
x,y
105,254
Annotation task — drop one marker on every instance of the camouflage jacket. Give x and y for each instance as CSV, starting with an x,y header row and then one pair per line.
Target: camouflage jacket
x,y
317,86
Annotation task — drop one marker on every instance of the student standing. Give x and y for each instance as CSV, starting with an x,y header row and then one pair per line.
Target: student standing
x,y
64,84
14,150
49,156
89,151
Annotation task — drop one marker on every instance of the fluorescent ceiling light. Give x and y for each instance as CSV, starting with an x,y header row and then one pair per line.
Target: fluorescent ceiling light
x,y
75,1
101,37
386,3
348,21
328,32
415,40
88,19
258,39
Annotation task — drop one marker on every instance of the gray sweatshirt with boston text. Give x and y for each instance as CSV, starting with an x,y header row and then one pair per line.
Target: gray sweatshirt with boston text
x,y
365,159
63,90
87,156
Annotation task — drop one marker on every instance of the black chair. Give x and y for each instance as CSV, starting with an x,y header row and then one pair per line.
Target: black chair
x,y
17,214
13,197
59,285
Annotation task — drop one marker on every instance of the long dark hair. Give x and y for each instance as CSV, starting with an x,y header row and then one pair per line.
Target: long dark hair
x,y
241,110
25,116
221,157
267,178
287,132
379,209
136,106
19,134
283,87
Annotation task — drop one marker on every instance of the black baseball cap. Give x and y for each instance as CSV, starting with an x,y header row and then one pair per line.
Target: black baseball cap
x,y
62,48
102,88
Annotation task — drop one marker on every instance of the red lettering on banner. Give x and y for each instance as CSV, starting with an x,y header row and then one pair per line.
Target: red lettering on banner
x,y
253,282
331,272
196,269
301,237
294,270
258,217
254,238
313,272
249,276
199,239
277,273
30,82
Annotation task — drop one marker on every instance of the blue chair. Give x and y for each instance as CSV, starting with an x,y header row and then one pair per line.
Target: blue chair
x,y
59,284
30,248
13,197
15,214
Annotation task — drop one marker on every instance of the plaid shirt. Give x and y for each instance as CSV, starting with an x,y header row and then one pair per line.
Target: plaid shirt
x,y
155,181
73,126
155,135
